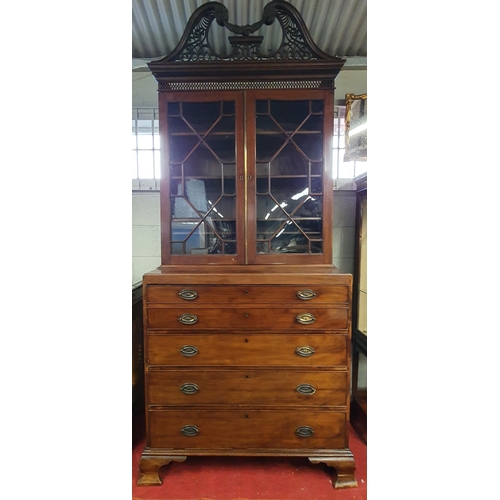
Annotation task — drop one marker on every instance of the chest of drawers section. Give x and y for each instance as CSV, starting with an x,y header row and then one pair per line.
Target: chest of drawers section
x,y
247,369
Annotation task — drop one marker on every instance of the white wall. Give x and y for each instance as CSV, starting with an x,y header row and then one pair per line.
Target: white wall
x,y
146,248
344,223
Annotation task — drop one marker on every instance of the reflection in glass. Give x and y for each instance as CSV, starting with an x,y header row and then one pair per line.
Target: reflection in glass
x,y
203,178
289,168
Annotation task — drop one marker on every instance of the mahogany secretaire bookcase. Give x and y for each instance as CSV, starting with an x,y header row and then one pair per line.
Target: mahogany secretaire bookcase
x,y
247,324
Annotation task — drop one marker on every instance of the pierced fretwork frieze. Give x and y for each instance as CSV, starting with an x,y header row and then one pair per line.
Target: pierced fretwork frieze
x,y
255,85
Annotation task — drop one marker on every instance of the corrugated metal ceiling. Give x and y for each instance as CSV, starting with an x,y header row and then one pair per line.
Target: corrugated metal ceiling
x,y
339,27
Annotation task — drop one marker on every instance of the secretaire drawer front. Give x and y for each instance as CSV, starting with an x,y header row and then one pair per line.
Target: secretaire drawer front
x,y
248,317
242,387
247,429
263,294
299,350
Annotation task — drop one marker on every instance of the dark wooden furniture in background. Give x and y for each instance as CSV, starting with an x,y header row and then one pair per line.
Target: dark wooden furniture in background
x,y
137,349
359,321
247,324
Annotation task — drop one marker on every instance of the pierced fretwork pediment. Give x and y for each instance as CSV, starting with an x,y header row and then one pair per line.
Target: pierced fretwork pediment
x,y
195,55
296,43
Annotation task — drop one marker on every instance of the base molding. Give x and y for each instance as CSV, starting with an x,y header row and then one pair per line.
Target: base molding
x,y
341,460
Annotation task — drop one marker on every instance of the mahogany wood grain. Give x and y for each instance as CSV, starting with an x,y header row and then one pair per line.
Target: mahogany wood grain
x,y
237,349
264,274
247,429
232,294
247,387
244,317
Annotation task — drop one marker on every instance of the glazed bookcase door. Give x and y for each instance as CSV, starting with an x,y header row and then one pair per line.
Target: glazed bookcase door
x,y
290,182
202,177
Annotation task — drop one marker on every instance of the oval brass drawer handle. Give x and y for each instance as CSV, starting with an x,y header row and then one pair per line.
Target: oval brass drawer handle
x,y
305,351
304,431
305,318
189,388
188,294
306,294
306,389
190,430
188,319
188,350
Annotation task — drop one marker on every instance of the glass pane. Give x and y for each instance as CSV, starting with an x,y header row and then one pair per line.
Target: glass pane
x,y
174,108
177,125
229,178
183,209
146,169
310,212
191,200
186,236
335,162
289,192
267,124
289,162
181,147
228,108
210,237
144,140
134,139
267,146
144,134
203,164
313,124
317,185
175,171
360,167
157,156
270,210
310,145
224,208
346,169
289,183
225,124
201,115
288,240
289,114
223,147
134,165
316,168
317,106
224,237
203,178
262,169
262,107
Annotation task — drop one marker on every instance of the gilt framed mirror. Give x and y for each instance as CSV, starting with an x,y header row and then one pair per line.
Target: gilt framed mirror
x,y
356,116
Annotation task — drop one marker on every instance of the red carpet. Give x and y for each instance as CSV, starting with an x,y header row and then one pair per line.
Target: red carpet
x,y
245,478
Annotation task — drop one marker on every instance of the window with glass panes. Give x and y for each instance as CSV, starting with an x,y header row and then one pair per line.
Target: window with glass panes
x,y
146,168
343,169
